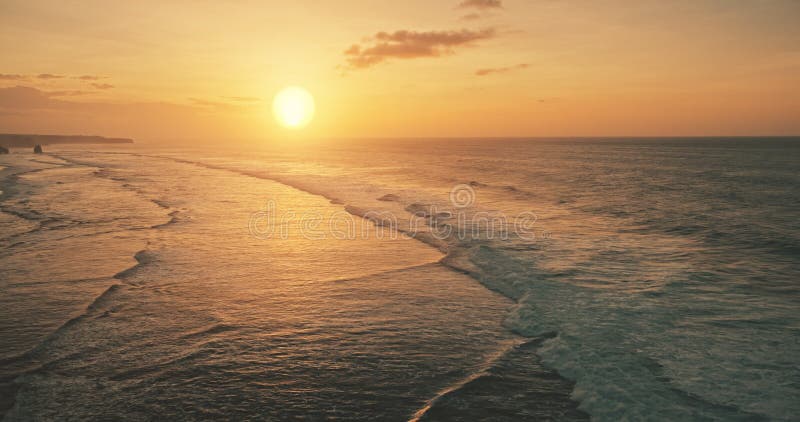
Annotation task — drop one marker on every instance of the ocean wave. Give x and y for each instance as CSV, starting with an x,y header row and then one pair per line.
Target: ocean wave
x,y
35,359
143,257
620,295
173,219
458,257
538,393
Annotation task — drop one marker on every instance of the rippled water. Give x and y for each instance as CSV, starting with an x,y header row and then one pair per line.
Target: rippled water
x,y
660,276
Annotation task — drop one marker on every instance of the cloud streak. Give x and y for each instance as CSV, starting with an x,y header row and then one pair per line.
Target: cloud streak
x,y
489,71
102,86
480,8
243,99
481,4
12,77
232,103
66,93
89,77
411,45
17,77
471,17
48,76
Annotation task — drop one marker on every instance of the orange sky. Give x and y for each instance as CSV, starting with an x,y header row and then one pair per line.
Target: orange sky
x,y
206,71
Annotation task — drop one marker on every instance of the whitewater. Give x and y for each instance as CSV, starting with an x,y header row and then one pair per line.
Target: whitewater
x,y
658,280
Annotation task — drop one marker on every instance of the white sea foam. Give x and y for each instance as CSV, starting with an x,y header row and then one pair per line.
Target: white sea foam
x,y
668,271
671,297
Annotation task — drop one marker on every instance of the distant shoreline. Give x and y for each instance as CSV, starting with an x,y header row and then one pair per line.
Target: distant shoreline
x,y
12,140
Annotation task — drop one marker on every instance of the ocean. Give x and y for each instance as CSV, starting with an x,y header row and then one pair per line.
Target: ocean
x,y
414,279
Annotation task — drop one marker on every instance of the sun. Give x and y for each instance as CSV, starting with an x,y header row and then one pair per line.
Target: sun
x,y
293,107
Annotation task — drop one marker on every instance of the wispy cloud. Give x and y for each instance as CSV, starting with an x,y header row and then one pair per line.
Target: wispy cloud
x,y
66,93
12,77
232,103
481,4
491,70
243,99
49,76
471,17
102,86
480,8
89,77
207,103
410,45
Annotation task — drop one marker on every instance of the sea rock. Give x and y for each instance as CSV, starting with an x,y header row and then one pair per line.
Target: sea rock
x,y
37,149
3,150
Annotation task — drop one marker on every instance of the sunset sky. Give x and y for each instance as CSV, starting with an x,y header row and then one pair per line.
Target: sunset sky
x,y
195,70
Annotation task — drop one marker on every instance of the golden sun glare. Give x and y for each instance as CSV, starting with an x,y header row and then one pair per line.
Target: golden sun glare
x,y
293,107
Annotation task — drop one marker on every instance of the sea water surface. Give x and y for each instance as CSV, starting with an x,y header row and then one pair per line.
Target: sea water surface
x,y
658,280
